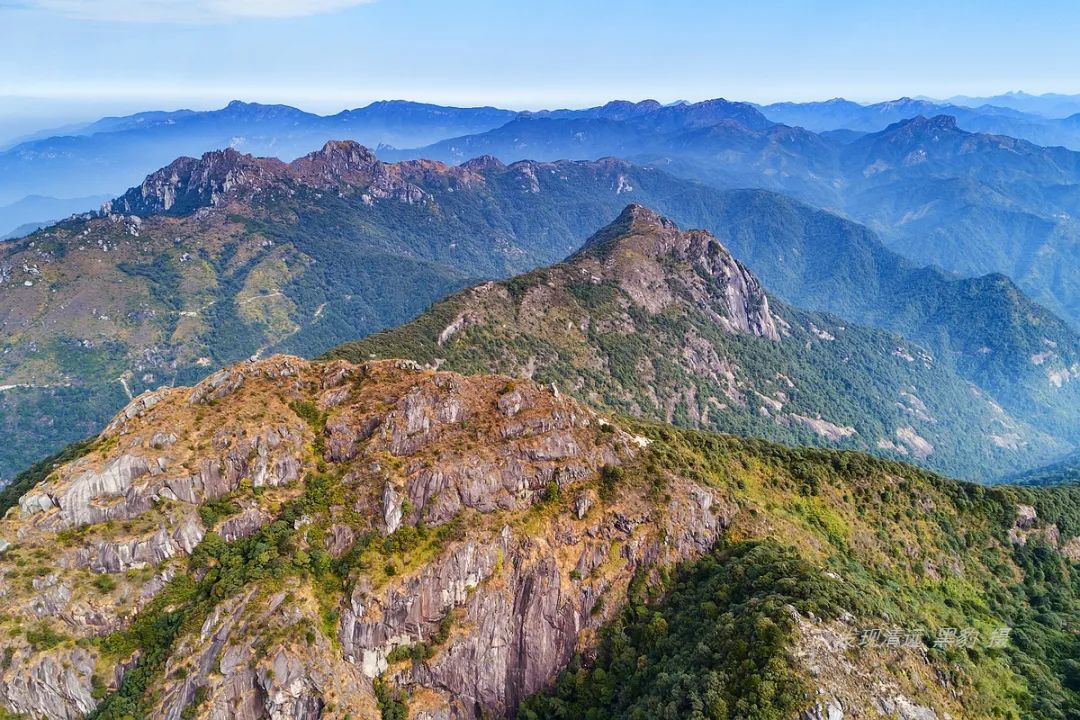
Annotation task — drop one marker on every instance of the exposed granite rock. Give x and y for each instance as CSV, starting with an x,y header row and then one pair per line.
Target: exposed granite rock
x,y
391,508
243,525
385,423
1071,549
114,557
525,611
404,446
221,177
55,685
294,681
339,539
634,249
1025,517
829,710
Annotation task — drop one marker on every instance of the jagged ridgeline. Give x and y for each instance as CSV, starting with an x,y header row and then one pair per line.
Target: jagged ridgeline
x,y
292,539
217,259
652,321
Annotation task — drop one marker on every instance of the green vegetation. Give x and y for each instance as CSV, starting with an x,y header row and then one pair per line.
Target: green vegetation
x,y
681,366
1063,472
43,637
714,646
392,701
104,584
213,511
322,261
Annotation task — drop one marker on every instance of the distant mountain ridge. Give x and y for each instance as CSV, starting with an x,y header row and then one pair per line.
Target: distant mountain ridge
x,y
841,114
38,210
112,154
998,205
969,202
1052,105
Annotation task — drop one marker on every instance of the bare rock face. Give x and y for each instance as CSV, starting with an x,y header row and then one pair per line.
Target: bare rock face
x,y
240,680
221,177
147,471
188,183
639,249
505,472
115,557
830,710
528,600
53,686
243,525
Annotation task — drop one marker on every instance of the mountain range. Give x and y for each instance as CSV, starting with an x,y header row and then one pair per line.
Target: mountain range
x,y
840,114
108,156
533,470
971,203
1052,105
943,184
215,259
650,321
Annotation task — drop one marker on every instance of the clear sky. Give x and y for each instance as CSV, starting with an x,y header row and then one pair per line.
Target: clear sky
x,y
88,57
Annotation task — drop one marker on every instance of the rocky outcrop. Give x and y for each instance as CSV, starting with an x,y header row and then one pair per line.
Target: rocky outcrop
x,y
527,601
227,176
113,557
189,183
406,446
638,249
54,685
154,468
323,527
230,675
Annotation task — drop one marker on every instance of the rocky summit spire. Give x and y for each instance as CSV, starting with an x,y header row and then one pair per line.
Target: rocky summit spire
x,y
634,220
188,183
657,264
336,160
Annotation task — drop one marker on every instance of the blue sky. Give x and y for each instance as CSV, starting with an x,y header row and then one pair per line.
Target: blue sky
x,y
86,57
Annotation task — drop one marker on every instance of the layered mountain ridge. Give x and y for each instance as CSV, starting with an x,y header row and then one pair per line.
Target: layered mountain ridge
x,y
969,202
516,504
235,256
651,321
1012,210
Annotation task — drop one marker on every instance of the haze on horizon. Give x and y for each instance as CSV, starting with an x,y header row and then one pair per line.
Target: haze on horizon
x,y
107,57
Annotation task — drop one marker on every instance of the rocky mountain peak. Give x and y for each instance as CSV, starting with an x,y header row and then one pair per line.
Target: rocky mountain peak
x,y
634,221
445,469
336,162
638,215
621,109
483,163
936,122
655,263
918,126
340,156
187,183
